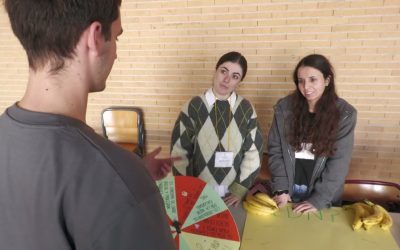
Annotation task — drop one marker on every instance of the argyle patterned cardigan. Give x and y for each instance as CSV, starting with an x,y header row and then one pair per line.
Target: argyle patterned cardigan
x,y
202,130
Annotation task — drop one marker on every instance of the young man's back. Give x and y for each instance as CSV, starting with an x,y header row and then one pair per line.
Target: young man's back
x,y
62,186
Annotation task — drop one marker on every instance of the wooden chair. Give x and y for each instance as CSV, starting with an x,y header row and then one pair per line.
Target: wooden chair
x,y
124,126
386,194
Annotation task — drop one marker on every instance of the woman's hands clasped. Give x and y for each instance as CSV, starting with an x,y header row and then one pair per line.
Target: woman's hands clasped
x,y
232,200
282,199
301,207
304,207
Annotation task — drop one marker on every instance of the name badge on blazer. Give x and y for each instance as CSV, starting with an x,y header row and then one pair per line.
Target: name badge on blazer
x,y
223,159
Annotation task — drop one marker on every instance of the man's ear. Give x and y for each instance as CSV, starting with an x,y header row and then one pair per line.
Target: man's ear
x,y
95,37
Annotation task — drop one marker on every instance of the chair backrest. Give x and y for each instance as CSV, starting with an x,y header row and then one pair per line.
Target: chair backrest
x,y
125,126
386,194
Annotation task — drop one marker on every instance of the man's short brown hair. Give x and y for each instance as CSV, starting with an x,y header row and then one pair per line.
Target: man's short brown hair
x,y
50,29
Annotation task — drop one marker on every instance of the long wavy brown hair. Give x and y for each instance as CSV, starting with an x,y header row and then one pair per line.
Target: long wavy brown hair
x,y
321,130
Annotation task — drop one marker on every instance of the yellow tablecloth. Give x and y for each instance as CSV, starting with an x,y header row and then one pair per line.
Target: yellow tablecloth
x,y
327,229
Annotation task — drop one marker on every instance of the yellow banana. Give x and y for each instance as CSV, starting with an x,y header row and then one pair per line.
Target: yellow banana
x,y
257,210
386,222
374,218
367,226
360,211
367,214
254,210
265,199
254,202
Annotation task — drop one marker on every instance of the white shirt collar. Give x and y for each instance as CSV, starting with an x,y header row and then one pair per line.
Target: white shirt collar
x,y
211,98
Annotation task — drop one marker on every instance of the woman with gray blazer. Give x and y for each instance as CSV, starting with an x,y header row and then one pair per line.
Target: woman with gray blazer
x,y
311,139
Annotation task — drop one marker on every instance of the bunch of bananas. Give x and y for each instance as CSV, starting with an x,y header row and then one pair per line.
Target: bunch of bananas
x,y
260,204
367,214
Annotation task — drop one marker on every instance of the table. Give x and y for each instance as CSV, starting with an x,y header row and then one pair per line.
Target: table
x,y
239,215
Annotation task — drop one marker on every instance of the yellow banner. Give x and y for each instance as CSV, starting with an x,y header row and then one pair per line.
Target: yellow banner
x,y
326,229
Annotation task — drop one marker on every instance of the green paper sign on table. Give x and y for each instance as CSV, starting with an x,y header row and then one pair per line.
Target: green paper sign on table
x,y
198,217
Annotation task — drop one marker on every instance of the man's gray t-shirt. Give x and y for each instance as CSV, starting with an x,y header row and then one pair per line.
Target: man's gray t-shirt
x,y
62,186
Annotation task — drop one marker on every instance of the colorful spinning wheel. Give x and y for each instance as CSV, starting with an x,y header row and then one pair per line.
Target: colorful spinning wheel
x,y
198,217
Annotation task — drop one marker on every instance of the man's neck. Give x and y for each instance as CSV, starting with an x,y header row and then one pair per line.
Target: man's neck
x,y
60,93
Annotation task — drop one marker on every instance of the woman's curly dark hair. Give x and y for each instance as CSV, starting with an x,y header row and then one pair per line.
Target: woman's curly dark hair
x,y
321,131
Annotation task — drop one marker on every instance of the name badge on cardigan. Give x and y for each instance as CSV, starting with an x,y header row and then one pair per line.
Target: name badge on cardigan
x,y
223,159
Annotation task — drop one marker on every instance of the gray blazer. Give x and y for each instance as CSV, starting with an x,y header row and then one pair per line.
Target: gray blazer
x,y
326,185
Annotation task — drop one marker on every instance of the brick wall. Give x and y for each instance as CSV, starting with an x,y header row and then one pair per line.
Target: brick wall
x,y
168,51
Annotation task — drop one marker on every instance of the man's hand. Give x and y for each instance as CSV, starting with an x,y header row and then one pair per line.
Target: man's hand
x,y
232,200
158,168
304,207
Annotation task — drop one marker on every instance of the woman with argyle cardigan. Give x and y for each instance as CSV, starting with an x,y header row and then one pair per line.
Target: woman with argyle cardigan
x,y
217,135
